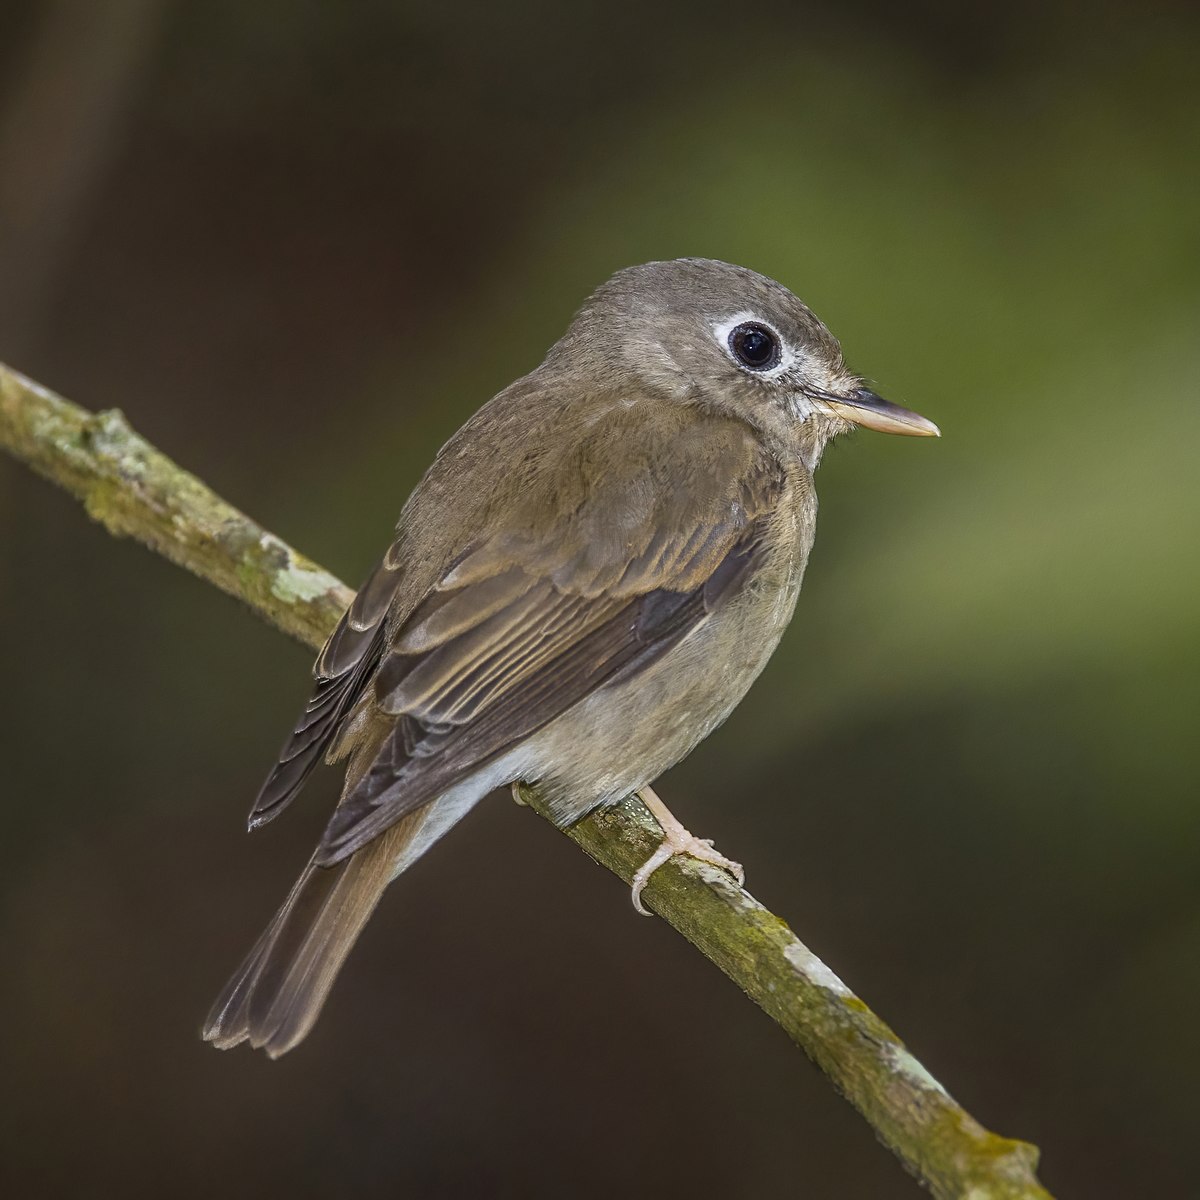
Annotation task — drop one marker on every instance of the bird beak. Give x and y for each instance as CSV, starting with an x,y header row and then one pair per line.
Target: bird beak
x,y
865,408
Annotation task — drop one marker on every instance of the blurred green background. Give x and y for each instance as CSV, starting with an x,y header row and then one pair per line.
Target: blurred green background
x,y
298,243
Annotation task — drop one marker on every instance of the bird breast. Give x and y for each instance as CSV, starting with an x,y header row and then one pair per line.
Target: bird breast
x,y
623,737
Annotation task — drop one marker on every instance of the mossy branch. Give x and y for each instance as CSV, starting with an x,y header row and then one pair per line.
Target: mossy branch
x,y
135,491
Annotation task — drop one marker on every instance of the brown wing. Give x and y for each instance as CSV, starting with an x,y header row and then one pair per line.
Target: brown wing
x,y
342,672
463,705
522,628
587,570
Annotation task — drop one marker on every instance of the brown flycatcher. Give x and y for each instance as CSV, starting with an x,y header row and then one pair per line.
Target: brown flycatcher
x,y
584,584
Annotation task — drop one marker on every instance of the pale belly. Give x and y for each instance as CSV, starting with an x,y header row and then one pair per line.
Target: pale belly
x,y
624,737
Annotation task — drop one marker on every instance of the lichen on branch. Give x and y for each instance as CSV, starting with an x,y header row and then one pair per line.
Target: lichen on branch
x,y
136,491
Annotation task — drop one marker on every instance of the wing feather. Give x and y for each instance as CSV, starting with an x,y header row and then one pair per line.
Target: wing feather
x,y
552,654
342,672
526,620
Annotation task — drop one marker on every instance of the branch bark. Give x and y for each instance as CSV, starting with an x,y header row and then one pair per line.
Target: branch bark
x,y
136,491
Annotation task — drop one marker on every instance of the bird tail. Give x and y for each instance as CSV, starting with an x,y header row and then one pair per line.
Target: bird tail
x,y
277,993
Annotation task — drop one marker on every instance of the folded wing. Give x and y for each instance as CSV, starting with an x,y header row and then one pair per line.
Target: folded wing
x,y
594,573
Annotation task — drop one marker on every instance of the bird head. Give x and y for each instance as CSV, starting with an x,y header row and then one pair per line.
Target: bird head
x,y
722,337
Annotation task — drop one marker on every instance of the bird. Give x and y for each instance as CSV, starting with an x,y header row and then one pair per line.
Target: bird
x,y
581,588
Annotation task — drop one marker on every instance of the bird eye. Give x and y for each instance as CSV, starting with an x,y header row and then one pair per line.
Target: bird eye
x,y
754,346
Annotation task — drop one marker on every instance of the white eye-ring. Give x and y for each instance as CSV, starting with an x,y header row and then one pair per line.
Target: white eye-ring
x,y
754,345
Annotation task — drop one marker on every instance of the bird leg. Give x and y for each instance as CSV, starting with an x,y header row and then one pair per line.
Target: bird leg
x,y
676,840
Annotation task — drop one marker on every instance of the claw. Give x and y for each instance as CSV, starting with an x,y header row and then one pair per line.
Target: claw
x,y
676,840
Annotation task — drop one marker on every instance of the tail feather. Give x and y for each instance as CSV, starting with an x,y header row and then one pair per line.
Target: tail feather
x,y
228,1022
278,992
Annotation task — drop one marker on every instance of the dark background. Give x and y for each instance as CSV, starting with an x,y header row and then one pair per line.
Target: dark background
x,y
298,243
